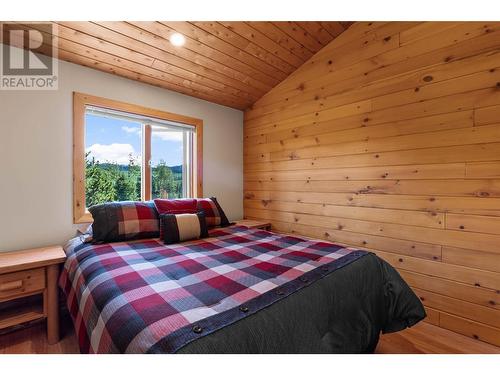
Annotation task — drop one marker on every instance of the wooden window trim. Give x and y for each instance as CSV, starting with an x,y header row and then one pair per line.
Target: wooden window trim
x,y
146,160
80,101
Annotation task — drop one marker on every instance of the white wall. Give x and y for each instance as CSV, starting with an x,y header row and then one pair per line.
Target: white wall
x,y
36,152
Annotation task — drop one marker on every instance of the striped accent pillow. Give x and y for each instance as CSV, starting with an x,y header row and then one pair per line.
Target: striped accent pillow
x,y
214,214
183,227
175,206
124,221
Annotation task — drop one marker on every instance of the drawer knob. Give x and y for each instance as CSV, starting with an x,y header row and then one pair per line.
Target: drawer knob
x,y
12,285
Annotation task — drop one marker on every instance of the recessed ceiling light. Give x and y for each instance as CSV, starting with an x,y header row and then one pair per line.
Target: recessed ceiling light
x,y
177,39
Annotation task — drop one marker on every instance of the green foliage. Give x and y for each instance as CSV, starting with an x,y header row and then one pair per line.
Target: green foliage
x,y
112,182
125,188
164,184
99,186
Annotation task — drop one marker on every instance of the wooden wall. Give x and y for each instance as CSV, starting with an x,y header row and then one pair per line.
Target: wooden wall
x,y
389,139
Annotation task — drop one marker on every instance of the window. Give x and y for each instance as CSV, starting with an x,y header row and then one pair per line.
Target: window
x,y
128,152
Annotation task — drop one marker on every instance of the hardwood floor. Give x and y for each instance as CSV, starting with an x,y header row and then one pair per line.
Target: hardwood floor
x,y
423,338
426,338
33,339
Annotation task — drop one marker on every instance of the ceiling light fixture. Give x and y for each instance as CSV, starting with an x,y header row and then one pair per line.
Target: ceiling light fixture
x,y
177,39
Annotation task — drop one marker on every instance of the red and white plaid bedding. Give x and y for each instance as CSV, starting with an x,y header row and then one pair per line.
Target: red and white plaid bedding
x,y
147,297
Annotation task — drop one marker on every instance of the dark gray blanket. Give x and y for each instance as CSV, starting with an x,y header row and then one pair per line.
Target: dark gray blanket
x,y
341,313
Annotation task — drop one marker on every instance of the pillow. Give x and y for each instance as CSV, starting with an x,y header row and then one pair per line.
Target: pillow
x,y
214,214
175,206
183,227
123,221
85,235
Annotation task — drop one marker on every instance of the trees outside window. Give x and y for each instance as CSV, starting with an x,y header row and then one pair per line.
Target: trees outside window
x,y
123,151
115,157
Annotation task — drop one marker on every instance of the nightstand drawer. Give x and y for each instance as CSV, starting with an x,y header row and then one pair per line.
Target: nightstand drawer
x,y
19,283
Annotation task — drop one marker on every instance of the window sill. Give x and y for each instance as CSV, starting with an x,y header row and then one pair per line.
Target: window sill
x,y
84,219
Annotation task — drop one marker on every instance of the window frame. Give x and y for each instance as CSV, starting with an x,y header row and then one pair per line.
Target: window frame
x,y
80,102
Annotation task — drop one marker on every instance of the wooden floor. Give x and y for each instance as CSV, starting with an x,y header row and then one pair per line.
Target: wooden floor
x,y
33,340
426,338
423,338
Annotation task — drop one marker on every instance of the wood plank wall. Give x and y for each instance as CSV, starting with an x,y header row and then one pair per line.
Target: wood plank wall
x,y
389,139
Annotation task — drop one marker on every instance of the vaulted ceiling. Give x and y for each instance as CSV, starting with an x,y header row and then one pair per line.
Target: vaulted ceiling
x,y
229,63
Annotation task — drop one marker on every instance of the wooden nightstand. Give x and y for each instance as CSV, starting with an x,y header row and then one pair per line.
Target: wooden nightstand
x,y
256,224
27,273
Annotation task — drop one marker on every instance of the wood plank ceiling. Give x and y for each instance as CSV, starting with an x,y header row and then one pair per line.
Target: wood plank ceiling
x,y
229,63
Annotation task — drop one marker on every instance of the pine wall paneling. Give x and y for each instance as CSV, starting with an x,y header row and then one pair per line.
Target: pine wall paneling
x,y
388,139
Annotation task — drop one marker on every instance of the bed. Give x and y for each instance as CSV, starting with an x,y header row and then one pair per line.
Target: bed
x,y
240,290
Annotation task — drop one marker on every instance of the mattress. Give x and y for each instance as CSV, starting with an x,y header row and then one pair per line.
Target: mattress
x,y
239,291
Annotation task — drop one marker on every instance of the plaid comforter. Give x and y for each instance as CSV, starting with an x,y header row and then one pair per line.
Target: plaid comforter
x,y
147,297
